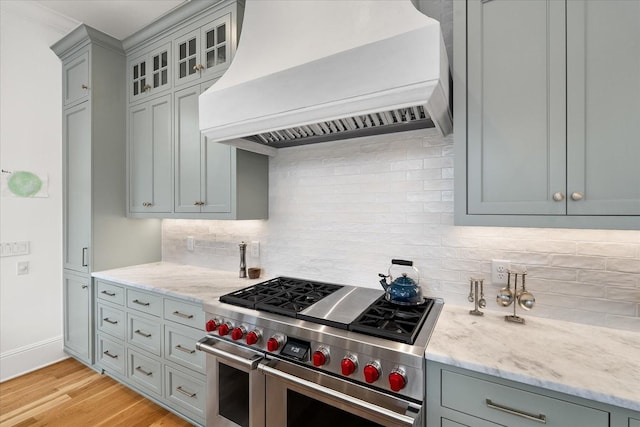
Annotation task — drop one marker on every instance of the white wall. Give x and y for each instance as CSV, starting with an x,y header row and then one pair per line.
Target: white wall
x,y
340,211
30,139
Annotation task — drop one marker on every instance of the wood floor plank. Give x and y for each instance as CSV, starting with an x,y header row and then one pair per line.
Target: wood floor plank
x,y
69,394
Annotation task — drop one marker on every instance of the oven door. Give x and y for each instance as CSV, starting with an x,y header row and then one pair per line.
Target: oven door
x,y
301,397
235,388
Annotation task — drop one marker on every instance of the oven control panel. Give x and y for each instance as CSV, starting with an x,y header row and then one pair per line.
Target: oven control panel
x,y
370,369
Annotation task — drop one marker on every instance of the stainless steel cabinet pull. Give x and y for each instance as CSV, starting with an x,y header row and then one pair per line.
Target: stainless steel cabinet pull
x,y
539,418
113,356
186,393
84,256
141,302
186,350
139,332
113,322
184,316
110,294
147,373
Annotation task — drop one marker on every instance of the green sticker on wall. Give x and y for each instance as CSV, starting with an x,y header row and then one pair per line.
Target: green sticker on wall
x,y
24,184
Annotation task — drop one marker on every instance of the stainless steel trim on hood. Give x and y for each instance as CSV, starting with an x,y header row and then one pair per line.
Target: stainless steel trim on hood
x,y
317,70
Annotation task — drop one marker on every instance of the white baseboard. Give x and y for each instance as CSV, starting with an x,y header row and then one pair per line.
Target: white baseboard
x,y
20,361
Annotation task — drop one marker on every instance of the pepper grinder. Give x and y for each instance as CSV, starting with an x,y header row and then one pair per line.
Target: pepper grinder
x,y
243,263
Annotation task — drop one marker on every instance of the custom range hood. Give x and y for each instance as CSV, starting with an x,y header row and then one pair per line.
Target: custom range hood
x,y
320,70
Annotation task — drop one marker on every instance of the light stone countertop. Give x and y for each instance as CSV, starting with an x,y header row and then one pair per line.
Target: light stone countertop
x,y
595,363
197,284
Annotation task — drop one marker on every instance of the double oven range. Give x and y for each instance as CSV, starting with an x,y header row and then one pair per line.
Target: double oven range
x,y
292,352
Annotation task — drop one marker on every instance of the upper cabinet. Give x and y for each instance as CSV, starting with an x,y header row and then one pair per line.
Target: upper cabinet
x,y
204,52
149,73
545,98
173,171
75,79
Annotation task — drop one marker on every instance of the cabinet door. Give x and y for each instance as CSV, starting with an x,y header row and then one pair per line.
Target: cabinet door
x,y
75,79
186,50
77,315
77,187
603,105
218,162
149,73
215,47
516,107
187,151
150,156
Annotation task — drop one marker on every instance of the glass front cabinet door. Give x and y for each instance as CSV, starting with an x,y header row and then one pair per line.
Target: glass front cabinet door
x,y
149,73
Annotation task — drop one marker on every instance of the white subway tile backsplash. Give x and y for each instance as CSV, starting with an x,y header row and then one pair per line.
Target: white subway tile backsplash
x,y
341,211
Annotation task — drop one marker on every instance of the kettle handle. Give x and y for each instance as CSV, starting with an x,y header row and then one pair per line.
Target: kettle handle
x,y
402,262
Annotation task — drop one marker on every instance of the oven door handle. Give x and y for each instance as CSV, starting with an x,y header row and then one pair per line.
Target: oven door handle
x,y
230,352
410,419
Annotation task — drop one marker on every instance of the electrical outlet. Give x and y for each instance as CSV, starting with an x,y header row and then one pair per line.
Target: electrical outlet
x,y
499,268
255,249
190,243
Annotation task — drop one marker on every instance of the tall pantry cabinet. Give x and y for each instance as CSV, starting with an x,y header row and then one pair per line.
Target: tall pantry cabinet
x,y
97,235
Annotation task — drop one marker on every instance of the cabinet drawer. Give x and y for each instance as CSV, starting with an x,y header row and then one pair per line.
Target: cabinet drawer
x,y
512,406
180,347
145,372
110,292
144,333
111,321
185,391
111,355
145,302
185,313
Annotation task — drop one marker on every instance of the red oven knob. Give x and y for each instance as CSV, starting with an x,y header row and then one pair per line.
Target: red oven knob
x,y
253,337
348,365
238,333
320,357
224,329
397,380
274,343
210,326
371,372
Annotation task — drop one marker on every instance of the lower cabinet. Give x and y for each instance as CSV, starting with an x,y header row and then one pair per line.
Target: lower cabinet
x,y
78,328
457,397
148,342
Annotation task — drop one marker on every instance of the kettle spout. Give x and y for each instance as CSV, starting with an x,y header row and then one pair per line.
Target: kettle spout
x,y
383,281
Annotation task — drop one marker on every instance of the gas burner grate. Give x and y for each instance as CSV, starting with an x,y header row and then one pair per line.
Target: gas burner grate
x,y
399,323
282,295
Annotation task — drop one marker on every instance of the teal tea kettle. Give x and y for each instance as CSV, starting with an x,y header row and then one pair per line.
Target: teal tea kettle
x,y
401,284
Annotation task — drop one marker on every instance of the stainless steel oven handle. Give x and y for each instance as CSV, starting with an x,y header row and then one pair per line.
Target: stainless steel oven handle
x,y
402,419
247,360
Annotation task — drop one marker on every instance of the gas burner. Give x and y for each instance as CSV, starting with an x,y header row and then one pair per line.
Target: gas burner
x,y
283,295
399,323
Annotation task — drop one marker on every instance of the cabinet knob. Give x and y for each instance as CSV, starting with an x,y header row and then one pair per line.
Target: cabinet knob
x,y
198,67
147,204
198,203
577,196
146,88
558,197
84,87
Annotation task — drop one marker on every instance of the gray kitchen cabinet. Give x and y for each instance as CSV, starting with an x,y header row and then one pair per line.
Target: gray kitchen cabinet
x,y
634,422
77,309
147,340
545,130
457,396
150,156
211,178
96,233
75,78
149,74
204,49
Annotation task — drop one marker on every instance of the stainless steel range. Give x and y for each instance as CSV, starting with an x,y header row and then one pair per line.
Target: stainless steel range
x,y
292,352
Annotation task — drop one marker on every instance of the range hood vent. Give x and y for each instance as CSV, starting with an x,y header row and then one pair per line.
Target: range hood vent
x,y
321,70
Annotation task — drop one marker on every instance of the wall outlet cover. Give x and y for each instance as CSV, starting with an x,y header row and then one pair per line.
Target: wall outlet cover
x,y
499,269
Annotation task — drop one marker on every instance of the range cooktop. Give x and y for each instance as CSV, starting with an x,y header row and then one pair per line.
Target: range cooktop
x,y
357,309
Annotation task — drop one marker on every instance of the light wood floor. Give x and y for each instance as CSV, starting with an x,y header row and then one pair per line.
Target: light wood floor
x,y
70,394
